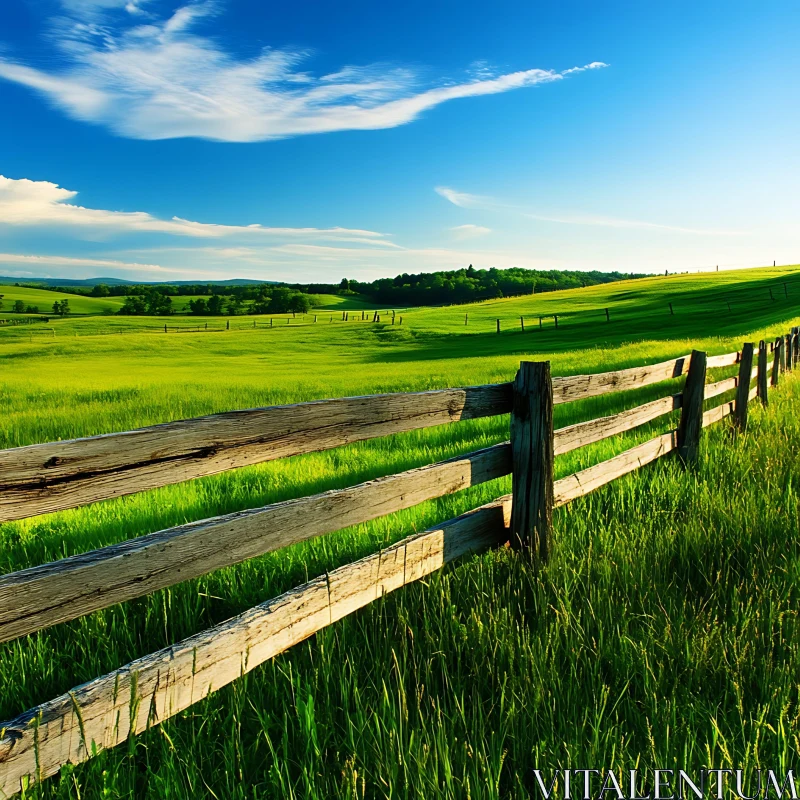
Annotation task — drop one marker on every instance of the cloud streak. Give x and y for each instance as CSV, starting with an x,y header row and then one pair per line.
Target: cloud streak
x,y
469,231
24,202
485,203
159,79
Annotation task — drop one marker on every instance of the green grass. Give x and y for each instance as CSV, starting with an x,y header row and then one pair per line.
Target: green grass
x,y
663,633
338,302
44,300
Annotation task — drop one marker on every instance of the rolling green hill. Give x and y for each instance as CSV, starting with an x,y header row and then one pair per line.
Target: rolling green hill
x,y
664,630
44,299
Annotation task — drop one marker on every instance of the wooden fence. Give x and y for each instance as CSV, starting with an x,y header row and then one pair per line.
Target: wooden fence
x,y
43,478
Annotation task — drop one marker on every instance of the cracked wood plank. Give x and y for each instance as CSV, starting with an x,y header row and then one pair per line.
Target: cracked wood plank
x,y
103,713
63,590
42,478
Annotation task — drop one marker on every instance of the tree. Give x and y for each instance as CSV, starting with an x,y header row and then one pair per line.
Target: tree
x,y
19,307
279,303
134,305
32,310
300,303
215,303
198,307
61,309
101,290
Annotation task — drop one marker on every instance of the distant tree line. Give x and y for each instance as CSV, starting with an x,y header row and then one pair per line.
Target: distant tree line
x,y
447,287
465,285
266,299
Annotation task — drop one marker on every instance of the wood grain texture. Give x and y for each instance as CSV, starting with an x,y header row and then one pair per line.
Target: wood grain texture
x,y
532,459
763,376
579,387
743,386
41,478
720,387
586,481
36,598
104,712
718,413
595,430
776,363
691,422
726,360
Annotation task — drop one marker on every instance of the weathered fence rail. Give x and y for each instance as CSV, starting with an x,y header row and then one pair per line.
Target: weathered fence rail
x,y
60,475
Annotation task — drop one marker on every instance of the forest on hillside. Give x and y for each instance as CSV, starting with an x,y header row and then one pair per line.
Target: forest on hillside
x,y
464,285
419,289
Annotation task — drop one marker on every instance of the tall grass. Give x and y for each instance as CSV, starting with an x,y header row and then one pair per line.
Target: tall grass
x,y
663,632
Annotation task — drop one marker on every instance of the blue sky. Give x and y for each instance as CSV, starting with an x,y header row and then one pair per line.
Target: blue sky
x,y
159,140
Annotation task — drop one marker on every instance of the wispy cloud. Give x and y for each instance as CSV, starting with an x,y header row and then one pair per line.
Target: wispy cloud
x,y
25,202
160,79
485,203
464,199
469,231
615,222
39,262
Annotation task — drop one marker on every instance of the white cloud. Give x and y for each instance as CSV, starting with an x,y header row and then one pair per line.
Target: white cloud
x,y
161,80
26,202
463,199
614,222
104,263
484,203
469,231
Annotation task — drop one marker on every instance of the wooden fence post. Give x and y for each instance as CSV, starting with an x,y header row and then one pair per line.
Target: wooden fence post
x,y
776,362
691,423
743,387
795,349
762,372
671,311
498,326
532,459
165,327
522,324
608,318
227,324
466,317
555,317
780,345
787,340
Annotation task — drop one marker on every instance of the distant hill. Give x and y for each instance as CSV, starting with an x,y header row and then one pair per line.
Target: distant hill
x,y
9,281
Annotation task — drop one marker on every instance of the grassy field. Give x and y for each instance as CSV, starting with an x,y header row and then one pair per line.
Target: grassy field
x,y
337,302
663,633
44,299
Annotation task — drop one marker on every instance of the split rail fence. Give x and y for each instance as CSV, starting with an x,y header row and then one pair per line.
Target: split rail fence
x,y
50,477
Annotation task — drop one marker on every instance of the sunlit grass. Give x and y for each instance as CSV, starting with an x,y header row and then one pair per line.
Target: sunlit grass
x,y
663,632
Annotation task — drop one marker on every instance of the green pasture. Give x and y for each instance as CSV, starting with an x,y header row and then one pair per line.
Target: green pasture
x,y
44,300
337,302
663,633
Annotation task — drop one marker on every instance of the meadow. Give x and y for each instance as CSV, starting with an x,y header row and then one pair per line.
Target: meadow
x,y
663,632
43,299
